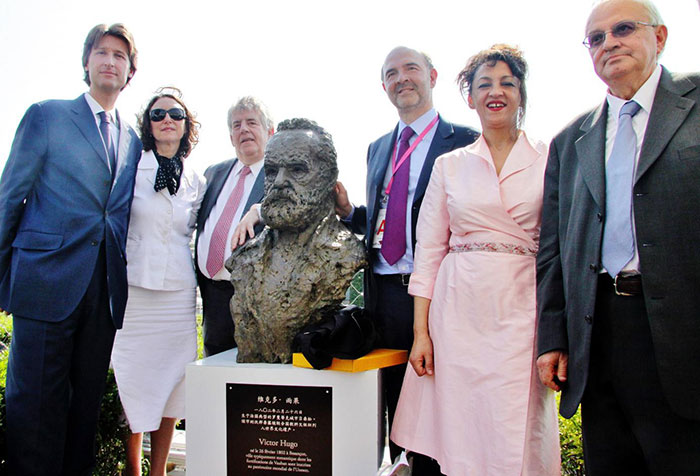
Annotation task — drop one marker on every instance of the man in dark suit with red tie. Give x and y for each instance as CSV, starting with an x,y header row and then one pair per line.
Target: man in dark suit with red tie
x,y
233,186
398,171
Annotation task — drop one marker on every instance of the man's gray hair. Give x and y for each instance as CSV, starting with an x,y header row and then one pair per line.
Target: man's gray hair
x,y
249,103
652,11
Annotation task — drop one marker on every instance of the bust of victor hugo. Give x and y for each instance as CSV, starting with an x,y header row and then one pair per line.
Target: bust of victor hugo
x,y
297,270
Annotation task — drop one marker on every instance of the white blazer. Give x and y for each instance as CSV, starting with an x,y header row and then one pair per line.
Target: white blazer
x,y
160,231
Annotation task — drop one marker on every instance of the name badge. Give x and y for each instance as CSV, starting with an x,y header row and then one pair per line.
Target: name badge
x,y
379,232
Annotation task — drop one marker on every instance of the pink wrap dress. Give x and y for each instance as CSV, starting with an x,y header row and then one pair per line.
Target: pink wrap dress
x,y
484,411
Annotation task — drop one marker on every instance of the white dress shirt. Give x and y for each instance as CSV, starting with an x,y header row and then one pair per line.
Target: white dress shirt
x,y
114,131
160,230
205,237
405,264
645,98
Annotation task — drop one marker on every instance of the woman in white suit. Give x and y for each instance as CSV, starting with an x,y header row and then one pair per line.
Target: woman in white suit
x,y
159,334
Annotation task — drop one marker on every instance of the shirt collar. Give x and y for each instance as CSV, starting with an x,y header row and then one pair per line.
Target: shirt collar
x,y
419,124
96,108
644,95
254,169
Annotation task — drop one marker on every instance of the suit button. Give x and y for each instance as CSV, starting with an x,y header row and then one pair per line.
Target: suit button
x,y
600,216
588,318
593,267
93,243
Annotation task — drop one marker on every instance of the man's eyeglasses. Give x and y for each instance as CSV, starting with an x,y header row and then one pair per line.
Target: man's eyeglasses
x,y
176,114
619,30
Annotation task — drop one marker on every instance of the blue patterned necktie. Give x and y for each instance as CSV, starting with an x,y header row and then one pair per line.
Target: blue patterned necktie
x,y
618,239
394,239
105,125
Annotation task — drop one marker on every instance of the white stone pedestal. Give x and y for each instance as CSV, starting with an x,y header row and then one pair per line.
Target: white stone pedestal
x,y
357,446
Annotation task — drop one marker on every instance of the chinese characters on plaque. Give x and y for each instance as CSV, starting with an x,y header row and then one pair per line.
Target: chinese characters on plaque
x,y
278,429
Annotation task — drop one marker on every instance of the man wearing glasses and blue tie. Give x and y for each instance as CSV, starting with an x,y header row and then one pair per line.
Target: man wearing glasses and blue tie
x,y
65,199
618,271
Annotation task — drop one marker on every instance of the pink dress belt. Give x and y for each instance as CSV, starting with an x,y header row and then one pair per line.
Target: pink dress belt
x,y
494,247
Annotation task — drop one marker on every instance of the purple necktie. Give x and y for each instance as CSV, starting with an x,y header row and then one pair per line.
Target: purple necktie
x,y
394,240
105,124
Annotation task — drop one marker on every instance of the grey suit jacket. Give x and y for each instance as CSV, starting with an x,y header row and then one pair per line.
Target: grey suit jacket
x,y
216,176
666,200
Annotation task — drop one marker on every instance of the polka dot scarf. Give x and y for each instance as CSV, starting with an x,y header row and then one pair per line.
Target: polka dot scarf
x,y
168,174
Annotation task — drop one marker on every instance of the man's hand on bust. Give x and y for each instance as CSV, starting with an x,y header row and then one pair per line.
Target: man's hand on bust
x,y
246,227
343,207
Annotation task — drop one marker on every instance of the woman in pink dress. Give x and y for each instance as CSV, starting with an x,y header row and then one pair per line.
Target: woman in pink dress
x,y
471,403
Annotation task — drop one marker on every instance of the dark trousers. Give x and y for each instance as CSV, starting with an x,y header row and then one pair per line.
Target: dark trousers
x,y
55,380
628,426
218,329
393,314
422,465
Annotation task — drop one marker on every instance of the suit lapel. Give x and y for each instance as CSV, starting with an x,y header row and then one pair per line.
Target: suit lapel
x,y
85,121
213,190
443,142
125,140
148,162
590,150
668,113
257,192
379,163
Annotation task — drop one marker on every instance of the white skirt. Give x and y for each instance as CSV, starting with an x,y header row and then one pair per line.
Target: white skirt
x,y
157,340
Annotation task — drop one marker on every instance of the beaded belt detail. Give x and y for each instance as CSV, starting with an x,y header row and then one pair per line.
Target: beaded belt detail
x,y
494,247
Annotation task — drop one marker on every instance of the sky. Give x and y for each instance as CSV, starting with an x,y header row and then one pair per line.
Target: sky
x,y
314,59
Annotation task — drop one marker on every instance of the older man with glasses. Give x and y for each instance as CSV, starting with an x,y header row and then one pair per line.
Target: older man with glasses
x,y
617,269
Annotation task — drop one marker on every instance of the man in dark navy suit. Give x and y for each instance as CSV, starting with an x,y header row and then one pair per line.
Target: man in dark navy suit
x,y
408,77
233,187
65,199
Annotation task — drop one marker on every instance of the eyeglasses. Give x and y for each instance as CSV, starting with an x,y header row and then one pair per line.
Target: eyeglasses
x,y
176,114
618,30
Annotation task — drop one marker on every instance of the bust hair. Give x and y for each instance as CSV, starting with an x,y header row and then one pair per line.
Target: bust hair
x,y
117,30
510,55
189,138
323,148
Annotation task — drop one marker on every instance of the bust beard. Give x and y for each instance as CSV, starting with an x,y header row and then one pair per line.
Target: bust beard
x,y
288,210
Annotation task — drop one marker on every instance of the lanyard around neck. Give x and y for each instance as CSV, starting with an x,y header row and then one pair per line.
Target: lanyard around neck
x,y
395,165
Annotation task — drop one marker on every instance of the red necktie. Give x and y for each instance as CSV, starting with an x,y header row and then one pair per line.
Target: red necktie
x,y
394,240
218,244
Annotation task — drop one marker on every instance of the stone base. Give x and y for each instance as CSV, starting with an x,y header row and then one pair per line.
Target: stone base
x,y
356,445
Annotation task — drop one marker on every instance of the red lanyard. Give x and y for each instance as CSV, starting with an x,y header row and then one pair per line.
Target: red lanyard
x,y
396,165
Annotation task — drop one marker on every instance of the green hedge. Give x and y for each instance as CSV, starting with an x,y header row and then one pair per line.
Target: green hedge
x,y
571,444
